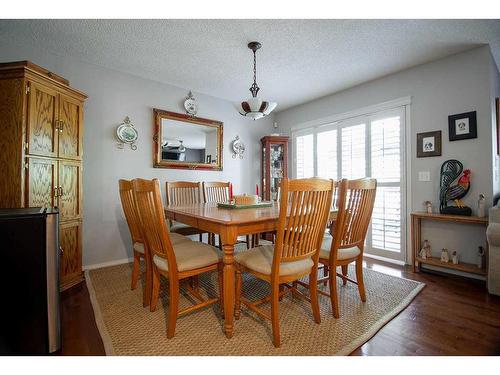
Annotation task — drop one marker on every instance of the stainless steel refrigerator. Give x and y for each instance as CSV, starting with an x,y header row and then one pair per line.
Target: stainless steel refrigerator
x,y
29,279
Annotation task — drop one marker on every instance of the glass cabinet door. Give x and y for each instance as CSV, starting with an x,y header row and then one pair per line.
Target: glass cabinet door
x,y
276,169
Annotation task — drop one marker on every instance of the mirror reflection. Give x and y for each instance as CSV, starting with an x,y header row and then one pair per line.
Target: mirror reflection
x,y
193,143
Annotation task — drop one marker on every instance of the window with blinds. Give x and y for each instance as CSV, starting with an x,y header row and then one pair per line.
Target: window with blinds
x,y
365,146
304,156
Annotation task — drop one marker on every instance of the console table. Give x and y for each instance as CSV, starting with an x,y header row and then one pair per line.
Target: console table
x,y
416,241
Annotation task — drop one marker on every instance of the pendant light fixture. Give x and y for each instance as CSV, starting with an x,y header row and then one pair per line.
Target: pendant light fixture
x,y
254,107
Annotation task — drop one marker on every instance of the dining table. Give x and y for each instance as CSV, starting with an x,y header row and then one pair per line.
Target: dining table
x,y
229,224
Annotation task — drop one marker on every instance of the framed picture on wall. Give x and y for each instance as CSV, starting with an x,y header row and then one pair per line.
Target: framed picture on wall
x,y
462,126
429,144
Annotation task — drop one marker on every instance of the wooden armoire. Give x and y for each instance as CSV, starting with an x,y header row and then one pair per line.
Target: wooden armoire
x,y
41,134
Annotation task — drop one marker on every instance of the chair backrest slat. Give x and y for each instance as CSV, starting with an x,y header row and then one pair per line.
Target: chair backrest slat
x,y
182,192
304,209
355,207
129,206
216,191
152,217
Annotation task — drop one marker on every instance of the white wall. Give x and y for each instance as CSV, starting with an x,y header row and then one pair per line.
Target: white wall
x,y
457,84
112,96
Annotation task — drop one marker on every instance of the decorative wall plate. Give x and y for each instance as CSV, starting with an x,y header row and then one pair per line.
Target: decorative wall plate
x,y
238,147
190,104
127,134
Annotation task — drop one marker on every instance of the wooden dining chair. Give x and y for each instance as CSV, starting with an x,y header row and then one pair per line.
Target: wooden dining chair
x,y
179,193
176,262
355,202
215,191
138,245
295,254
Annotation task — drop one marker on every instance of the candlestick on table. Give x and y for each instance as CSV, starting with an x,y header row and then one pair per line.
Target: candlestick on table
x,y
230,191
257,189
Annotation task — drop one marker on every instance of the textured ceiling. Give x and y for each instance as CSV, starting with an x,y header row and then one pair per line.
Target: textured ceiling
x,y
300,60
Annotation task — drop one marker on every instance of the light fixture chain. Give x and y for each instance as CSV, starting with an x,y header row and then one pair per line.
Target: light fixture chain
x,y
254,68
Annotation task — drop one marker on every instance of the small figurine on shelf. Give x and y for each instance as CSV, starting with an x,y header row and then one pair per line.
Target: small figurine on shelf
x,y
454,257
428,206
480,257
480,206
426,251
445,256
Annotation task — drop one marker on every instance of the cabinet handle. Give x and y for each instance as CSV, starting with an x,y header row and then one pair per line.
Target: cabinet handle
x,y
56,192
61,250
56,125
61,127
61,191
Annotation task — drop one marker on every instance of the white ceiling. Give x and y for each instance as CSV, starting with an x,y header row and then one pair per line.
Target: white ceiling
x,y
300,60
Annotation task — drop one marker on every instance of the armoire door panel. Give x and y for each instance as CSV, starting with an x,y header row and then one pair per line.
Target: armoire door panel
x,y
70,128
42,115
41,182
70,242
70,190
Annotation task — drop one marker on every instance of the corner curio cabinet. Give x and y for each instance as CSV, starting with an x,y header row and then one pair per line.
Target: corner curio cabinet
x,y
274,165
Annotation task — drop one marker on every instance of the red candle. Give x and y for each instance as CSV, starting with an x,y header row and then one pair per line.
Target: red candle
x,y
230,191
257,189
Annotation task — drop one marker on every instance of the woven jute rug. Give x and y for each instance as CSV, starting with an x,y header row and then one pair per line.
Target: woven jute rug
x,y
129,329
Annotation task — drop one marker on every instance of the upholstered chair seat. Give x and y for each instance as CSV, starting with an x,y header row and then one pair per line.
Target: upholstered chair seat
x,y
342,254
190,255
260,259
174,237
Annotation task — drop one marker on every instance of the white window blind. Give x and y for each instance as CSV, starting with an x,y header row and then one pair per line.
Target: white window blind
x,y
304,156
353,152
327,154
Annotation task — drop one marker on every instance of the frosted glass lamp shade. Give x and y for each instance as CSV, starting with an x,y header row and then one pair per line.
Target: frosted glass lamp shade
x,y
255,108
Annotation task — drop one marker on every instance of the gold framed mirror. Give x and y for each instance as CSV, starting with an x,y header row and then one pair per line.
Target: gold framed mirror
x,y
186,142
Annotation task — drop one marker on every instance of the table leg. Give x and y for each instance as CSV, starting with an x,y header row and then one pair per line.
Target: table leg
x,y
228,275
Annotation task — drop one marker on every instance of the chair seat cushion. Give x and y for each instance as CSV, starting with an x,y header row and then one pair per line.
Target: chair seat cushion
x,y
139,247
260,259
174,237
190,255
342,254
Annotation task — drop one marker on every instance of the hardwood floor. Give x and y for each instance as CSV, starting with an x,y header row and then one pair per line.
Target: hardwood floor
x,y
451,316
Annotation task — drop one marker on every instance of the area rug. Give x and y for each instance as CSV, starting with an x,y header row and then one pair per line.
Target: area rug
x,y
129,329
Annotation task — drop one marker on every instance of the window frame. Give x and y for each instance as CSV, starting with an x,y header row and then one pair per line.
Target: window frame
x,y
366,116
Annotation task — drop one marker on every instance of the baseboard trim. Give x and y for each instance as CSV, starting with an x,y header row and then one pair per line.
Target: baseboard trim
x,y
388,260
108,264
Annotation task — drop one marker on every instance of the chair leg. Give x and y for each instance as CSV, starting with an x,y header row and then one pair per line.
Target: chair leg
x,y
325,273
195,283
344,272
248,241
333,293
237,296
155,289
173,308
201,237
359,279
275,314
220,279
313,290
135,270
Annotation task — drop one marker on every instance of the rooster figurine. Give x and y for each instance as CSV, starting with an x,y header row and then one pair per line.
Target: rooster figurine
x,y
450,171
